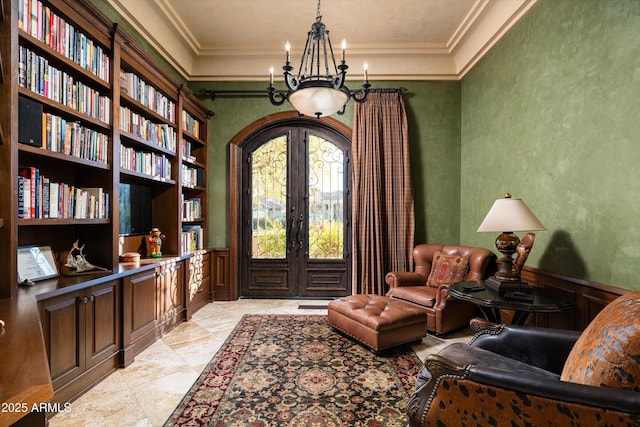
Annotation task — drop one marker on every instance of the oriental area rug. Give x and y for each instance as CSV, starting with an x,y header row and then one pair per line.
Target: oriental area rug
x,y
296,370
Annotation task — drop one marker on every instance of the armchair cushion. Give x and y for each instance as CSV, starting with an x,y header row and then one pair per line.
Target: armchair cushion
x,y
608,351
420,295
447,269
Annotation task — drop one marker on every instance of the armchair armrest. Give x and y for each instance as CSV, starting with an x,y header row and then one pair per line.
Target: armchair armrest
x,y
457,384
396,279
545,348
602,397
442,297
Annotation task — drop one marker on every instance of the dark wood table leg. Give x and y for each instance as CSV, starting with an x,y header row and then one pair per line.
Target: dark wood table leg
x,y
492,314
519,317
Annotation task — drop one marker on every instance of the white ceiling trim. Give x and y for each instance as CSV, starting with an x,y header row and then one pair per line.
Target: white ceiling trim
x,y
484,25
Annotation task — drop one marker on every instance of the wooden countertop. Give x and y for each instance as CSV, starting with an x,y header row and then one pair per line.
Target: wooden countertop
x,y
25,379
24,370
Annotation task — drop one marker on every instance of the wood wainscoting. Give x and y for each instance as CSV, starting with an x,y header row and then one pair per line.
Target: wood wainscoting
x,y
588,298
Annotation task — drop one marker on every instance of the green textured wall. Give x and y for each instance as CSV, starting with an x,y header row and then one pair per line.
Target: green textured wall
x,y
551,115
433,110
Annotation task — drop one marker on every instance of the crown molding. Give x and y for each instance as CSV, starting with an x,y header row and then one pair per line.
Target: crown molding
x,y
484,25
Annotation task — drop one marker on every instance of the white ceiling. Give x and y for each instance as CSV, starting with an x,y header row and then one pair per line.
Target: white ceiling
x,y
238,40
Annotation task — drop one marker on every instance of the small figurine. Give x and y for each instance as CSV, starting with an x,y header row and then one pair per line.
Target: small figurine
x,y
76,262
155,240
523,250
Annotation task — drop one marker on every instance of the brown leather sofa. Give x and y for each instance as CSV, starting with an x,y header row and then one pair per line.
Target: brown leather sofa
x,y
517,375
444,313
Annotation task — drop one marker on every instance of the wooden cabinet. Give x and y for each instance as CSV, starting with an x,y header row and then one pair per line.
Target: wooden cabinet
x,y
170,286
139,314
153,303
198,290
104,114
82,336
68,65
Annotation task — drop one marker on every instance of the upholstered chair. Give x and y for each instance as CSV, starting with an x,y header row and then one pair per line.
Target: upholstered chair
x,y
436,267
516,375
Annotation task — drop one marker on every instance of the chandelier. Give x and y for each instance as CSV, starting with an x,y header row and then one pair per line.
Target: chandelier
x,y
318,89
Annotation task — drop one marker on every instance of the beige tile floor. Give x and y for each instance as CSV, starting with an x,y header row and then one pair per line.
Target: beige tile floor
x,y
146,393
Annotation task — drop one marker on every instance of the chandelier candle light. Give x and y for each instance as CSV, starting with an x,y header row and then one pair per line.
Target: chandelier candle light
x,y
318,89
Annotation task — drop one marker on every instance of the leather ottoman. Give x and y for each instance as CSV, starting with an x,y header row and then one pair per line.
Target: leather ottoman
x,y
378,322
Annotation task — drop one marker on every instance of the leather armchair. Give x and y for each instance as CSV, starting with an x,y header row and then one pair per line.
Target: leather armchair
x,y
511,375
444,313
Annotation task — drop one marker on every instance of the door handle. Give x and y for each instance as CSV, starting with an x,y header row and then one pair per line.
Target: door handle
x,y
291,234
299,233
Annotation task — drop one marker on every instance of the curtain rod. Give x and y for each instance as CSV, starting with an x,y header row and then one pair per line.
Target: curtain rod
x,y
213,93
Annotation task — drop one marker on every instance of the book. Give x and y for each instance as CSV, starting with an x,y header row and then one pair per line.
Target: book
x,y
54,201
20,196
29,175
95,202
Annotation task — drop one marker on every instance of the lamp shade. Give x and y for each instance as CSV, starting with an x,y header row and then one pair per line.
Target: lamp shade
x,y
318,100
510,215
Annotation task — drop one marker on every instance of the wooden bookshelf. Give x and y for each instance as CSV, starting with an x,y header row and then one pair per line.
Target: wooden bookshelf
x,y
125,85
85,105
193,173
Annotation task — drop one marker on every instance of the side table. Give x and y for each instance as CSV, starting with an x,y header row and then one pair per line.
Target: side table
x,y
490,301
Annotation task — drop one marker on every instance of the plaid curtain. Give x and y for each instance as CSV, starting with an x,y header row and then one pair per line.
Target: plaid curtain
x,y
383,210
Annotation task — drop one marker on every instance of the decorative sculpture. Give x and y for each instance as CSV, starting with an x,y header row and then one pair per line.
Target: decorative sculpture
x,y
77,263
522,251
155,241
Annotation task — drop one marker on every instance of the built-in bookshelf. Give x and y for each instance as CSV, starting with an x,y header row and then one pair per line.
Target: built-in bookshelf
x,y
86,113
193,179
91,110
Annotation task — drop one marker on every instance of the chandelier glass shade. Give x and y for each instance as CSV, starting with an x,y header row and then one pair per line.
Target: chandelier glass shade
x,y
318,89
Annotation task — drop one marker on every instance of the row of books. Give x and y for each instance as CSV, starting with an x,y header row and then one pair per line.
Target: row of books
x,y
35,74
190,124
40,197
192,177
186,150
191,209
160,134
41,22
191,239
152,164
134,86
73,139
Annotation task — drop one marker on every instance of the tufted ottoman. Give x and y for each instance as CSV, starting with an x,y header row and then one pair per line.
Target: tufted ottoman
x,y
377,321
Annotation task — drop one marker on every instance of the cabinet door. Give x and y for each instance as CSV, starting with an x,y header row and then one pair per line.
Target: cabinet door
x,y
171,288
198,282
198,277
140,312
64,335
102,321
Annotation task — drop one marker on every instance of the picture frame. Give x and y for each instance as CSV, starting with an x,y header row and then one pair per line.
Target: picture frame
x,y
36,263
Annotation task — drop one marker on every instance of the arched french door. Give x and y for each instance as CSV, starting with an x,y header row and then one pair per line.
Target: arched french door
x,y
295,211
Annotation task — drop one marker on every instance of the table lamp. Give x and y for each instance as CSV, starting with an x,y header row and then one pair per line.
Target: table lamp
x,y
506,216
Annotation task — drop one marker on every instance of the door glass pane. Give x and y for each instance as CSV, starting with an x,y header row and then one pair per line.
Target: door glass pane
x,y
269,196
326,199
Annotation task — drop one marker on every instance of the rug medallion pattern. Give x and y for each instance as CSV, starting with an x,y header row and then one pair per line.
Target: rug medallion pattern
x,y
295,370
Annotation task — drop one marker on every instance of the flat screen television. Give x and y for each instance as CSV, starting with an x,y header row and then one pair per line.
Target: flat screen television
x,y
135,209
